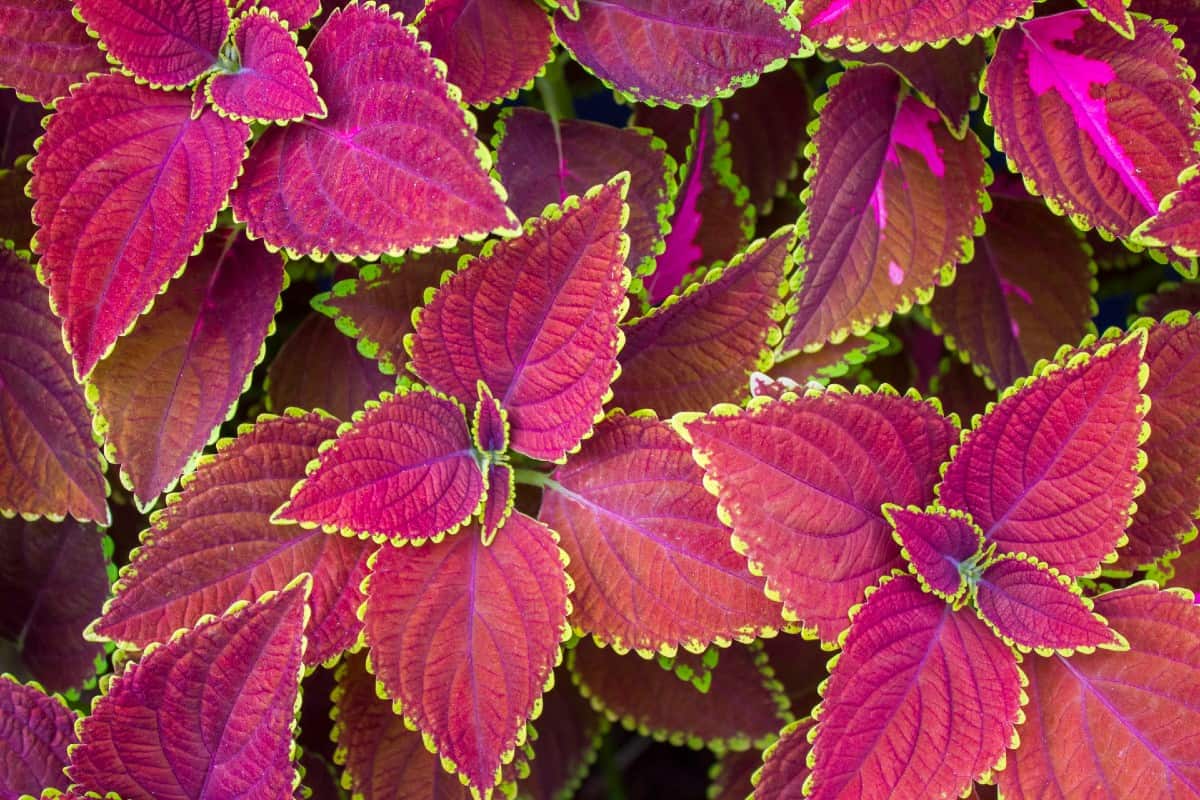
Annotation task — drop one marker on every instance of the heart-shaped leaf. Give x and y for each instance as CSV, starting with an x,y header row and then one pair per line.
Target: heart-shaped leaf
x,y
936,543
44,49
908,23
34,740
566,738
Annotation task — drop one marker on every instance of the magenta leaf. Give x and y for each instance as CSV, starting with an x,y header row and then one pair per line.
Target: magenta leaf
x,y
489,424
939,544
44,50
34,738
501,497
126,182
50,465
785,763
394,165
464,638
908,23
566,738
225,507
544,311
404,469
162,42
271,83
1098,124
1052,469
802,480
298,13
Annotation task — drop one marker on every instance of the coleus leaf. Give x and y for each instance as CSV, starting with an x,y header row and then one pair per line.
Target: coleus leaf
x,y
51,465
847,357
159,41
225,507
44,49
787,496
1177,223
126,182
464,638
489,423
937,543
298,13
908,23
544,311
1098,125
501,498
1184,15
394,165
1170,297
208,714
169,384
540,166
731,775
892,204
716,45
1113,725
699,346
785,769
1052,469
694,668
565,740
1182,570
34,739
673,125
922,700
403,469
271,82
653,567
1114,12
492,48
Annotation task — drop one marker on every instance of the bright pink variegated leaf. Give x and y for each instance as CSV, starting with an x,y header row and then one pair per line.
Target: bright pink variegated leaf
x,y
225,508
271,83
785,764
652,565
893,204
566,738
298,13
536,173
163,42
394,165
802,482
936,543
44,49
404,470
50,464
923,699
858,23
34,737
169,384
492,48
715,46
1052,469
1110,726
464,638
126,182
543,311
209,714
699,348
1100,124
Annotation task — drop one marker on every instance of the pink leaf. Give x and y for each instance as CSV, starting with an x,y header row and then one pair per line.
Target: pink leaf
x,y
937,543
34,739
907,23
44,49
298,13
489,423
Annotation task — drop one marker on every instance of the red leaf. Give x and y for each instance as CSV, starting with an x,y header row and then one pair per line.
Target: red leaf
x,y
923,700
1184,15
1052,470
489,423
403,469
801,481
50,464
464,638
908,23
566,738
209,714
785,764
892,204
937,543
501,496
44,49
653,567
126,182
34,739
1177,222
1110,726
225,507
1099,125
543,311
700,346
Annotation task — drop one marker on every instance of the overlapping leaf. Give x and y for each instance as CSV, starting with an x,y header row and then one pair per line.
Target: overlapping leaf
x,y
1177,223
1185,16
298,13
731,775
34,738
785,768
859,23
566,738
936,543
44,49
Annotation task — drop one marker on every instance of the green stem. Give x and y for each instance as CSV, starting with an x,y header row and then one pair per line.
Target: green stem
x,y
554,92
531,477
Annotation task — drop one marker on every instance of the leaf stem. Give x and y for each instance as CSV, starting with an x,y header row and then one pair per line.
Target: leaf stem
x,y
531,477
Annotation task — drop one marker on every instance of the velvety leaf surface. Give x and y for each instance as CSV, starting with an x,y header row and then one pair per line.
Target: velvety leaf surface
x,y
802,481
50,465
785,766
170,383
715,46
568,734
394,165
536,173
209,714
892,204
492,48
225,508
404,469
272,83
489,423
44,49
53,582
543,311
923,699
895,23
35,731
832,361
464,637
126,182
160,41
935,543
20,125
652,565
298,13
1101,126
1052,470
1140,715
699,347
1014,304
